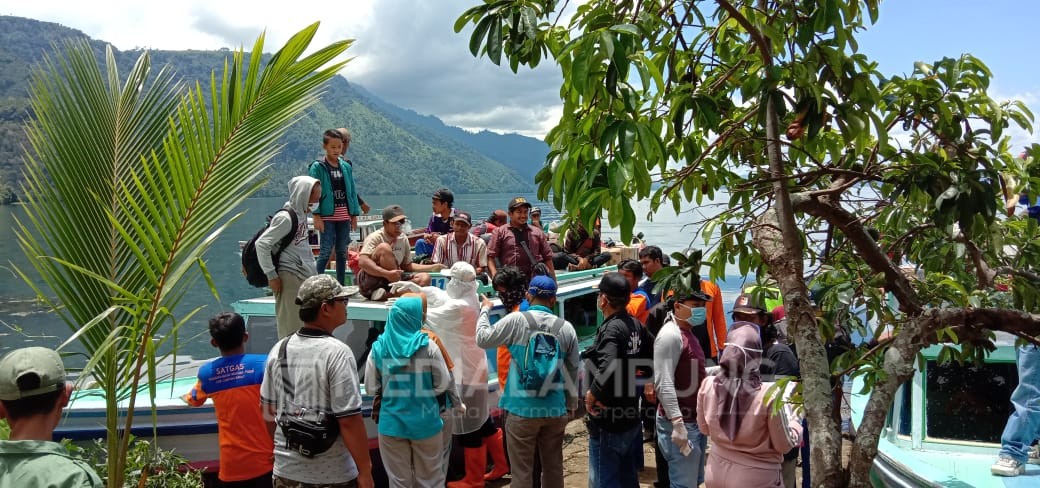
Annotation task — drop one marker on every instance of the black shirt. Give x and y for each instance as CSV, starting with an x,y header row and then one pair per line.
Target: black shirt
x,y
622,348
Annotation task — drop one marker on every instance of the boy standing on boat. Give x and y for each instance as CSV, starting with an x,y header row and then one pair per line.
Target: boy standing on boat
x,y
296,261
460,246
314,375
386,258
32,394
1023,426
339,205
233,381
346,136
519,243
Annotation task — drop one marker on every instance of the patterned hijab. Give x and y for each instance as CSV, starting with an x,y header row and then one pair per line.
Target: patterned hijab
x,y
740,379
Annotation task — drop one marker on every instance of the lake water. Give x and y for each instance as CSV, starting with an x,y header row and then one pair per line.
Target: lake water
x,y
24,321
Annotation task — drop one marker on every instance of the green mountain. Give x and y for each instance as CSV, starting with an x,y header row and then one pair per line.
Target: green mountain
x,y
523,154
394,150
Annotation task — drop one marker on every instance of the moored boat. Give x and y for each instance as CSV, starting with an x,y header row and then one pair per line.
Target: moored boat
x,y
192,431
944,427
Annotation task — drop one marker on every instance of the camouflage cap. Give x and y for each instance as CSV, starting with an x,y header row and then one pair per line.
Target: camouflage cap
x,y
319,289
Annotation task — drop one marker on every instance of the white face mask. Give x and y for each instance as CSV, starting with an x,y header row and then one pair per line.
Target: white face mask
x,y
743,350
313,207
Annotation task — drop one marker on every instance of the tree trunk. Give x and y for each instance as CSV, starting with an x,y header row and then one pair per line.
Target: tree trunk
x,y
899,366
825,437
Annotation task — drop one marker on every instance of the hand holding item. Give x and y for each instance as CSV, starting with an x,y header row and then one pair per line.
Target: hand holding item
x,y
485,302
399,287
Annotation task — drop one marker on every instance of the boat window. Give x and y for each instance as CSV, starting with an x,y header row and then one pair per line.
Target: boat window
x,y
906,410
263,332
581,312
968,402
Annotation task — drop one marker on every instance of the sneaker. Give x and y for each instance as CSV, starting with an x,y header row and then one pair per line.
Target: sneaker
x,y
1034,455
1006,466
378,295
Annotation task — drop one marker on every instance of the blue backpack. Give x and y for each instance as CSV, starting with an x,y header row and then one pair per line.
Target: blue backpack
x,y
539,372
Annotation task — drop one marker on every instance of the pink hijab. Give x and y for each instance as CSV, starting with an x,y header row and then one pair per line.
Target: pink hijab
x,y
735,387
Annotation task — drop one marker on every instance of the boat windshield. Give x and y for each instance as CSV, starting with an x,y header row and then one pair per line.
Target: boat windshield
x,y
968,402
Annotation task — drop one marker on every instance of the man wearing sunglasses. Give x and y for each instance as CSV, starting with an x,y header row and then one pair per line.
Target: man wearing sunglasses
x,y
386,257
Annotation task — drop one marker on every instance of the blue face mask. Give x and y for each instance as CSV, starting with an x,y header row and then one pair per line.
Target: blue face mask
x,y
698,315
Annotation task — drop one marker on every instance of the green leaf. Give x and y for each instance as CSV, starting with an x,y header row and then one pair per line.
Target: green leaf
x,y
156,168
479,32
494,40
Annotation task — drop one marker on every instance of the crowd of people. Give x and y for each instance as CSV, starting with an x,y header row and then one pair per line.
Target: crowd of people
x,y
293,418
663,367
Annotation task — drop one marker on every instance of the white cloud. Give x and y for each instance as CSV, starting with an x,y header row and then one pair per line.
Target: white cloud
x,y
1020,137
405,51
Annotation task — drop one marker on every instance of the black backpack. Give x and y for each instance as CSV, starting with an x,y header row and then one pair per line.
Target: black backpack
x,y
251,264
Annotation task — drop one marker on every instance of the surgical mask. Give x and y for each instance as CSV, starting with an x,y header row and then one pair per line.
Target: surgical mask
x,y
314,207
698,315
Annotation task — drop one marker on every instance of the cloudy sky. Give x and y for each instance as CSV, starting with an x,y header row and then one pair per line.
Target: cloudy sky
x,y
407,52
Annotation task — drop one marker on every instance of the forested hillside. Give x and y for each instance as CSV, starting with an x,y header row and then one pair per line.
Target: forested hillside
x,y
394,150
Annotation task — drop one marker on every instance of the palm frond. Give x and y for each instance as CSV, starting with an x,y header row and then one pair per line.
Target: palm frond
x,y
129,183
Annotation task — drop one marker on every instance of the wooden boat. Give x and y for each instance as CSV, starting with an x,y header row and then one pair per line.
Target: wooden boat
x,y
192,431
945,424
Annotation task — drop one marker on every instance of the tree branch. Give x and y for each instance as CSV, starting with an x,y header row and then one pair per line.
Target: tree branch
x,y
1024,273
982,272
897,244
764,49
895,281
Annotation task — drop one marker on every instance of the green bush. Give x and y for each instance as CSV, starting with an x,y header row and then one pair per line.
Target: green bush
x,y
146,465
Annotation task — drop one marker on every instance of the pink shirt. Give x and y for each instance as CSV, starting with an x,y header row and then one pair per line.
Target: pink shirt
x,y
762,438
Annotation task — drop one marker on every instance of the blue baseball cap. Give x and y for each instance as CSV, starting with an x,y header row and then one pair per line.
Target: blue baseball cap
x,y
542,286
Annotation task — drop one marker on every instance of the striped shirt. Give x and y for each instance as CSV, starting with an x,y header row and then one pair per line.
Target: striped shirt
x,y
448,251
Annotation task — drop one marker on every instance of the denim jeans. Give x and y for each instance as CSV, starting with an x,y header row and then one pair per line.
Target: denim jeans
x,y
1023,426
614,457
336,235
683,471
